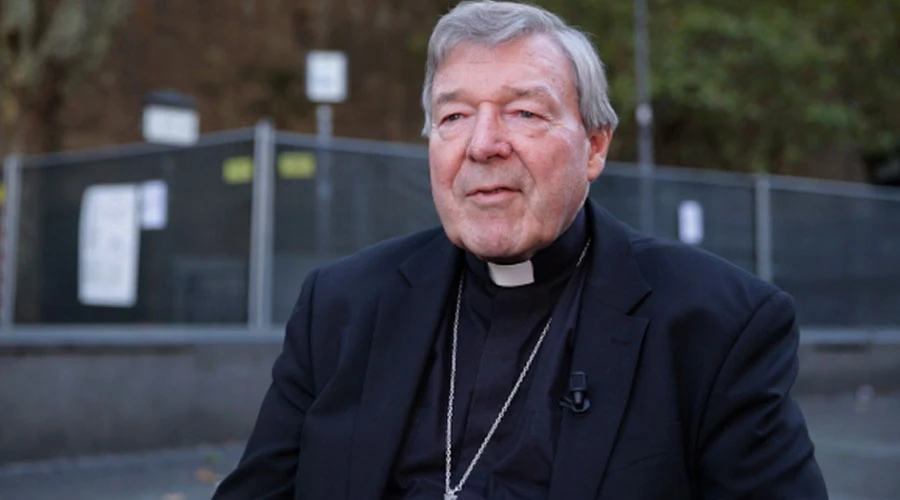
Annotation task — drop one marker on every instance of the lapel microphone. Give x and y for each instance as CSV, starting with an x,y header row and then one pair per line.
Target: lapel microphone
x,y
577,399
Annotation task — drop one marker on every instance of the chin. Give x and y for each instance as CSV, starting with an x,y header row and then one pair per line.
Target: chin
x,y
495,251
498,240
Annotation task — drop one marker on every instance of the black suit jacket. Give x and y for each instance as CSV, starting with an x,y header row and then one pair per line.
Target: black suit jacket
x,y
690,362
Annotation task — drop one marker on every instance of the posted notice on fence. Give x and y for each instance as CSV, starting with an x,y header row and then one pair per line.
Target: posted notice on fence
x,y
109,235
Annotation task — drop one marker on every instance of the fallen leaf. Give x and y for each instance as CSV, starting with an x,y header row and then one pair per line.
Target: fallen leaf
x,y
206,476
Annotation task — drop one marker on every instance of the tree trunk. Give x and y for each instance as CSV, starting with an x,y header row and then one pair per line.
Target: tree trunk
x,y
46,128
44,134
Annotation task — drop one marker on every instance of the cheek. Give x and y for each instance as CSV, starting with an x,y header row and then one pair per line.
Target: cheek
x,y
552,184
444,167
555,190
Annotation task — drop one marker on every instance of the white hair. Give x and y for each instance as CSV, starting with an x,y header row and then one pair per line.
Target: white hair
x,y
493,23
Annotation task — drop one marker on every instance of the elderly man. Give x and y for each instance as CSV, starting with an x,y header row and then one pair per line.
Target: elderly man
x,y
533,347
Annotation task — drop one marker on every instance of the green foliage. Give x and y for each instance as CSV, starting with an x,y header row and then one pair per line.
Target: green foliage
x,y
761,86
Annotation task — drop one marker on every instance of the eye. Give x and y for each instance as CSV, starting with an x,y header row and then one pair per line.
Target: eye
x,y
527,114
452,117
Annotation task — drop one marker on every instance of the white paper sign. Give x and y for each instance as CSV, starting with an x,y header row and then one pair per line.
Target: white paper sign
x,y
690,222
154,205
108,245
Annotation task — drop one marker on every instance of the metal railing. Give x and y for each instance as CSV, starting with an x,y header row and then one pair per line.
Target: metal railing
x,y
251,212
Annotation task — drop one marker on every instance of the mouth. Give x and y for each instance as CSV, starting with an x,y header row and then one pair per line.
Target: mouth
x,y
492,194
492,190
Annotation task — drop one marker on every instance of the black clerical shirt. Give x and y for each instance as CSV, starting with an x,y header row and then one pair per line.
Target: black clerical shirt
x,y
498,328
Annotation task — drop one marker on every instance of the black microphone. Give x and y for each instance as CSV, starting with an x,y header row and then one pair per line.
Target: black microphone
x,y
577,400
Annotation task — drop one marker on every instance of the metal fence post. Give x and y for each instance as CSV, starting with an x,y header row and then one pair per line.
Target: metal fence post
x,y
763,224
12,181
361,206
644,118
262,223
324,188
647,201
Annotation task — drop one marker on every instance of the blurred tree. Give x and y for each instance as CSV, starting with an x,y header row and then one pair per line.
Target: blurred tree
x,y
757,86
48,47
770,85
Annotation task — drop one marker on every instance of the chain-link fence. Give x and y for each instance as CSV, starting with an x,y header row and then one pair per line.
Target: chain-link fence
x,y
218,257
837,251
192,268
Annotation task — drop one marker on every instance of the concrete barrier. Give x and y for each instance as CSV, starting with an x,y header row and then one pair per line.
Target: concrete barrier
x,y
73,391
95,396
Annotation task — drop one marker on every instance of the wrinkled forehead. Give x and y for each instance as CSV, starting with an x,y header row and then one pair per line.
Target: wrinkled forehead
x,y
542,67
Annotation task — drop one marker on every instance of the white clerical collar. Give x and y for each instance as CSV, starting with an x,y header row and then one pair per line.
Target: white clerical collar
x,y
511,275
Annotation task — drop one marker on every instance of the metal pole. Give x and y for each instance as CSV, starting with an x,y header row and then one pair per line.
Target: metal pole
x,y
644,113
12,180
763,223
361,206
259,306
324,126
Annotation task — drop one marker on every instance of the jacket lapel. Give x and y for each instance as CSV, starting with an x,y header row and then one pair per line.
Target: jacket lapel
x,y
408,317
607,349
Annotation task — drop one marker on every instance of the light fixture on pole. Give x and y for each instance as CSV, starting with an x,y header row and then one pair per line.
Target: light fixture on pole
x,y
170,118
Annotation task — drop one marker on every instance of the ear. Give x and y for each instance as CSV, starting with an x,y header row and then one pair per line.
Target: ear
x,y
599,140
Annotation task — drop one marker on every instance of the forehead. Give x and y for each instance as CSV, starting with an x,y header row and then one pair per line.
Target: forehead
x,y
529,61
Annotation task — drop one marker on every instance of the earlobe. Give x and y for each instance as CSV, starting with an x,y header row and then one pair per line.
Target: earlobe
x,y
595,166
599,140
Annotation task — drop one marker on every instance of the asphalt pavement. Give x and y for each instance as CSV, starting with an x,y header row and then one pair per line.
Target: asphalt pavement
x,y
857,440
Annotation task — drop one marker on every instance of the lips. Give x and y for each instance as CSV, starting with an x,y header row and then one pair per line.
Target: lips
x,y
489,190
493,196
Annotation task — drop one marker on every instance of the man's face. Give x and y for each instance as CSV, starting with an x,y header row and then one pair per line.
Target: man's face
x,y
510,159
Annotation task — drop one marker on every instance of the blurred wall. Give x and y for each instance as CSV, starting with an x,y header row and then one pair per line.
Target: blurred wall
x,y
76,400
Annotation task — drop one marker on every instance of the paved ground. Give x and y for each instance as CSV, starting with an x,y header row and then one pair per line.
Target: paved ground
x,y
858,444
857,438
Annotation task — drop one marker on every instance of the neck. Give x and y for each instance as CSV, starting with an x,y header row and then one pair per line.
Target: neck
x,y
543,265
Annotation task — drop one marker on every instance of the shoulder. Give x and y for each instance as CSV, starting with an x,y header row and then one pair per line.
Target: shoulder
x,y
711,314
679,275
347,289
338,302
672,268
372,265
699,297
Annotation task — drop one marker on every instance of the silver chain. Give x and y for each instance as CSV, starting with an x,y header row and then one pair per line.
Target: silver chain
x,y
450,493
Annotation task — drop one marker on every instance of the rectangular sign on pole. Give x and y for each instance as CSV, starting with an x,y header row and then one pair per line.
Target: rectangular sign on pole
x,y
108,245
326,76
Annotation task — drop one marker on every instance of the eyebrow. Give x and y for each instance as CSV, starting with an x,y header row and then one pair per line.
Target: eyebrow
x,y
533,91
447,97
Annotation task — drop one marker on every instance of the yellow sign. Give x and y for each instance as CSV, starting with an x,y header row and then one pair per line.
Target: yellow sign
x,y
237,170
297,165
2,194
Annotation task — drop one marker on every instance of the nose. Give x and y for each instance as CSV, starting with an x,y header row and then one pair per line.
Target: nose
x,y
489,137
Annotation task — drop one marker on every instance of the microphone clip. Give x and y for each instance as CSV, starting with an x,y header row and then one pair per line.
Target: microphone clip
x,y
577,399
